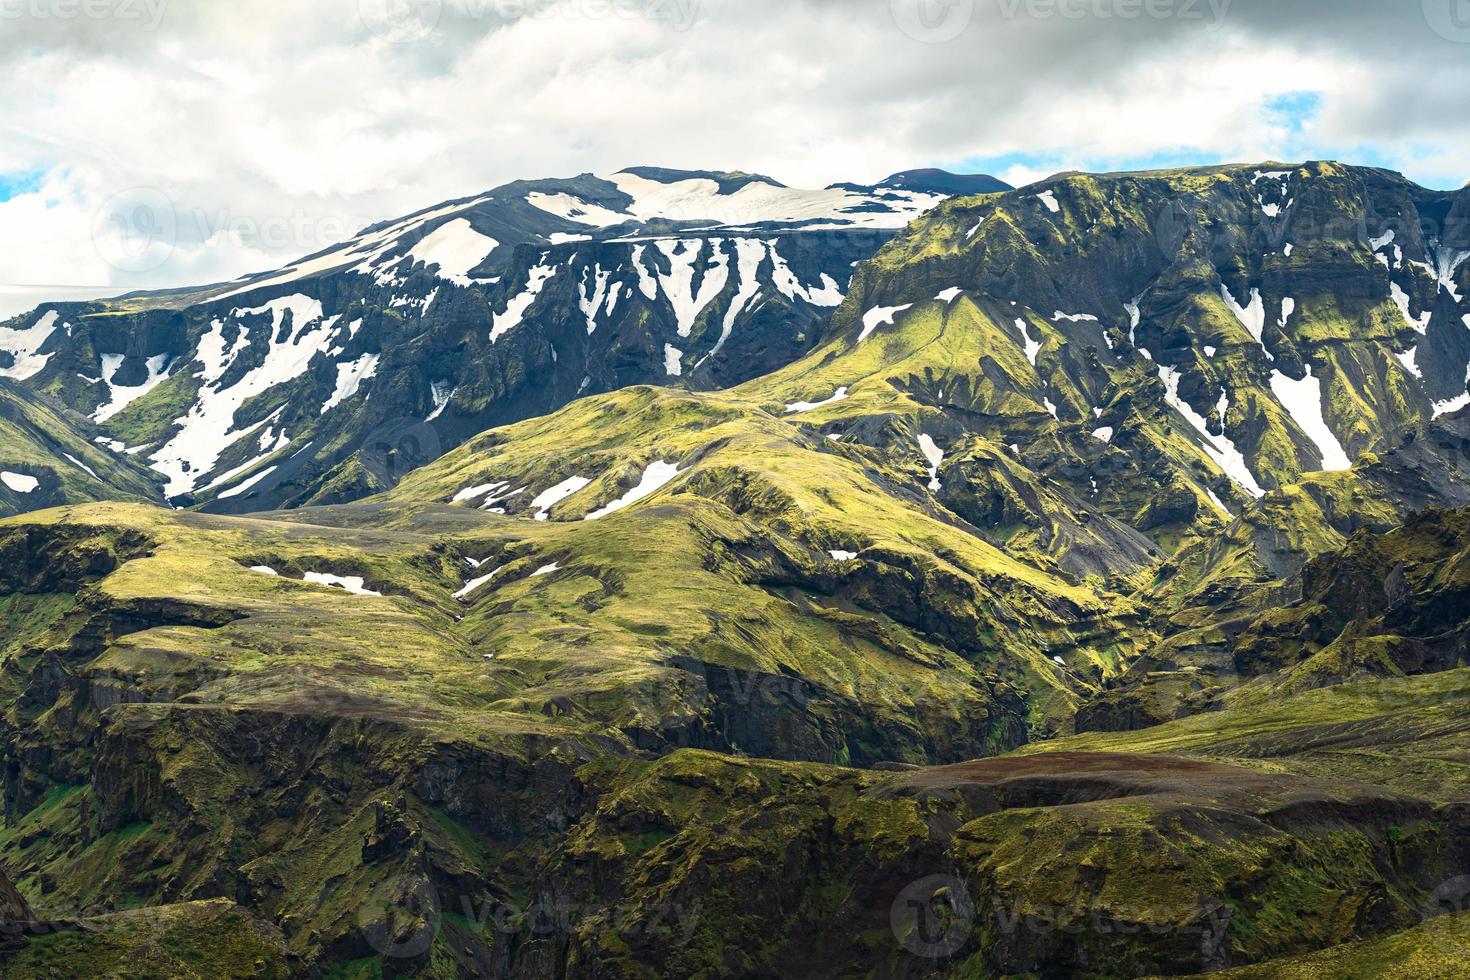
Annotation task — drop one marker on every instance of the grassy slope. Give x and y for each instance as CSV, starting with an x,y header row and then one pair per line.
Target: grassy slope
x,y
34,441
411,754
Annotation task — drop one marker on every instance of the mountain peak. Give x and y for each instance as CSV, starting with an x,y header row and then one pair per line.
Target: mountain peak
x,y
932,180
729,181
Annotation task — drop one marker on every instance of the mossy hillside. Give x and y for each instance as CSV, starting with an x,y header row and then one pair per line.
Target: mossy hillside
x,y
1391,603
175,654
265,637
688,843
805,496
1067,860
1172,240
198,939
35,439
365,764
1217,586
1435,950
1405,733
1144,885
958,373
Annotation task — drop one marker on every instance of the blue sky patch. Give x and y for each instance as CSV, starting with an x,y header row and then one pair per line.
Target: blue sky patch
x,y
18,183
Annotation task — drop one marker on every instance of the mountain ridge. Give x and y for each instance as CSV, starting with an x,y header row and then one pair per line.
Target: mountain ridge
x,y
972,576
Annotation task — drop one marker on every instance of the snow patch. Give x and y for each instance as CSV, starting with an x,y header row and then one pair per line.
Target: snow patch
x,y
248,484
23,344
1049,198
678,282
515,310
1218,447
474,584
19,482
548,499
442,396
121,396
749,253
646,283
796,407
350,376
699,198
828,294
456,248
351,583
1401,300
1456,403
935,456
655,478
673,360
1251,316
206,431
591,302
1303,401
473,493
570,208
1031,347
878,316
1410,360
1288,307
1443,265
82,465
1220,504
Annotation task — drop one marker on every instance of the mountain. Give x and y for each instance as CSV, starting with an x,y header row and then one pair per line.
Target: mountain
x,y
1050,610
48,457
331,378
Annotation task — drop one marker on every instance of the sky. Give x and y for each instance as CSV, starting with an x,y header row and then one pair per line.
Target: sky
x,y
151,143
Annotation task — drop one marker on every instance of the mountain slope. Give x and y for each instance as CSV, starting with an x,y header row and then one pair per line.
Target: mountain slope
x,y
515,739
330,379
807,674
1092,323
47,459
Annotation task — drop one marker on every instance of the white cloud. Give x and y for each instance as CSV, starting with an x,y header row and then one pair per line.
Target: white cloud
x,y
275,127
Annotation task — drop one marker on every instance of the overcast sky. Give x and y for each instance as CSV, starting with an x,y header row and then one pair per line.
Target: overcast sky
x,y
249,132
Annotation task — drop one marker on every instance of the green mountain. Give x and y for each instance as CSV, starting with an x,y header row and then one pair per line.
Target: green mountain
x,y
49,457
1055,611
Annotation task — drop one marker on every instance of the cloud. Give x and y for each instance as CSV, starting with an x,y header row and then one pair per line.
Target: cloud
x,y
273,128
